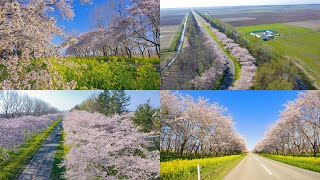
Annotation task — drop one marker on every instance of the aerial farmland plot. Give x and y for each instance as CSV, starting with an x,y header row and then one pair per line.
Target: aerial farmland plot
x,y
294,40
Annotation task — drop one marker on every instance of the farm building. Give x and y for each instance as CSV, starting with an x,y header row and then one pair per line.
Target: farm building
x,y
264,34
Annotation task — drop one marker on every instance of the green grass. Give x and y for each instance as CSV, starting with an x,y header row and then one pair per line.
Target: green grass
x,y
15,164
302,46
310,163
62,151
176,39
280,28
211,168
235,62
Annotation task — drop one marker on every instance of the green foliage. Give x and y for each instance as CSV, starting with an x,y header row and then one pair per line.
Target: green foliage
x,y
61,152
113,103
109,73
107,103
18,160
147,117
310,163
211,168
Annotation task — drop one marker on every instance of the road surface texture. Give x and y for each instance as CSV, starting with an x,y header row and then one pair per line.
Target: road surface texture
x,y
39,168
254,167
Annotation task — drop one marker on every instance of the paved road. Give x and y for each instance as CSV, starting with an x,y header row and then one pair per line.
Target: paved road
x,y
39,168
254,167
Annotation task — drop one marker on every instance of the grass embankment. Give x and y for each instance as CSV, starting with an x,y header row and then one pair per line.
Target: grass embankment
x,y
310,163
62,151
12,167
177,37
234,60
211,167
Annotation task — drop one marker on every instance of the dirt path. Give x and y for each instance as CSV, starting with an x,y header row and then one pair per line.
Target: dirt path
x,y
39,168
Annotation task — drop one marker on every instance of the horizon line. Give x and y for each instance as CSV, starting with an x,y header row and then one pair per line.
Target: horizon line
x,y
239,5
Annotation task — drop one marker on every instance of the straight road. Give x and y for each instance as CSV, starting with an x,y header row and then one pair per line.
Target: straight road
x,y
40,166
254,167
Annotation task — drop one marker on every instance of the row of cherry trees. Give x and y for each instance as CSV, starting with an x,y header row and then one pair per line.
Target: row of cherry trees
x,y
190,126
14,104
122,31
298,129
15,131
247,62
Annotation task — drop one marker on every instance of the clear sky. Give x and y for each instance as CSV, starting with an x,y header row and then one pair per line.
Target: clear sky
x,y
253,111
67,99
211,3
81,22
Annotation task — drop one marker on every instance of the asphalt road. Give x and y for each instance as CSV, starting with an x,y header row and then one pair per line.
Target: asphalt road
x,y
255,167
39,168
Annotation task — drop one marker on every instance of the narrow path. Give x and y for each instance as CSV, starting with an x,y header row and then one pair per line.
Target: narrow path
x,y
39,168
254,167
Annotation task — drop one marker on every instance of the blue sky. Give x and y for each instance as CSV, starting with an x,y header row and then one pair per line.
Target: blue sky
x,y
252,111
67,99
211,3
81,22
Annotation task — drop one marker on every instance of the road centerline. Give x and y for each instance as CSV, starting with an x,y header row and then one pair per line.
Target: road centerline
x,y
270,173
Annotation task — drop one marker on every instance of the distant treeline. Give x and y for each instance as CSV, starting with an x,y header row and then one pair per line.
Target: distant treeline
x,y
14,104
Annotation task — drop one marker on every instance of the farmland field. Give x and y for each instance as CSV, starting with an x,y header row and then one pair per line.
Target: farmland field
x,y
300,45
255,15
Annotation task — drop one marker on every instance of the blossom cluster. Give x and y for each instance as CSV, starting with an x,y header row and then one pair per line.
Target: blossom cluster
x,y
107,147
15,131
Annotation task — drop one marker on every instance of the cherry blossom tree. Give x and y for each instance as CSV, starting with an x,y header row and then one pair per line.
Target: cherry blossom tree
x,y
26,28
298,129
107,147
197,127
15,131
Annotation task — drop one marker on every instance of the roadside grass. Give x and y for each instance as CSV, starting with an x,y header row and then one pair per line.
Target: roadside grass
x,y
211,168
305,162
235,62
154,59
302,46
12,167
61,152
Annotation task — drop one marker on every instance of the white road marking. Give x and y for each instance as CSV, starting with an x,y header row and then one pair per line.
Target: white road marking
x,y
266,169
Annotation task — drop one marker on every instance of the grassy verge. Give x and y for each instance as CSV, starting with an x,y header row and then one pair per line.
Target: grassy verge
x,y
310,163
176,39
14,165
61,152
235,62
211,168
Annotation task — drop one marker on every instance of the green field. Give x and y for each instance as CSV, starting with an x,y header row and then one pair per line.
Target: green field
x,y
211,168
310,163
301,45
